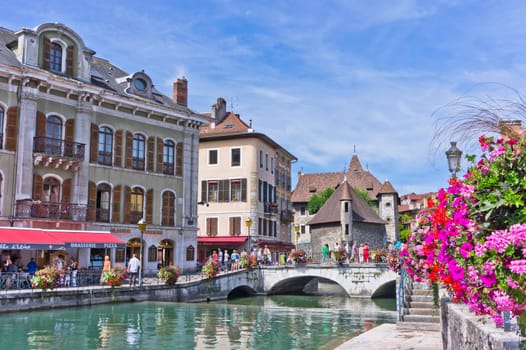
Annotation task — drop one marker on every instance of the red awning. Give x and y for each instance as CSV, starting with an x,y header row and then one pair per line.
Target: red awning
x,y
276,245
29,238
222,240
88,239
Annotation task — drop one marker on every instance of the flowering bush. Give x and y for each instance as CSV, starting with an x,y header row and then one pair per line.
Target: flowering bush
x,y
169,274
46,278
243,262
210,269
472,239
115,277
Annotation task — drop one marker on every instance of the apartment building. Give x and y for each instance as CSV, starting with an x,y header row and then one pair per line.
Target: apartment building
x,y
86,146
244,186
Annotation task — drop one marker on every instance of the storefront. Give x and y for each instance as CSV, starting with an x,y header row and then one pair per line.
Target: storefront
x,y
206,245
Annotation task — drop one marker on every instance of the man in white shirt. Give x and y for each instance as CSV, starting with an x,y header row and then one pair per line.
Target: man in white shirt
x,y
133,269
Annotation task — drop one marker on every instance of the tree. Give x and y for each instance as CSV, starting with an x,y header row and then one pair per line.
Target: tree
x,y
318,200
365,197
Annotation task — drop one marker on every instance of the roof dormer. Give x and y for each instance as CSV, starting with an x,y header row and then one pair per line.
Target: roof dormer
x,y
140,84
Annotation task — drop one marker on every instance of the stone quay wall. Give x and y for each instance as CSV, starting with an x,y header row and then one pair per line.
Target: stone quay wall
x,y
463,330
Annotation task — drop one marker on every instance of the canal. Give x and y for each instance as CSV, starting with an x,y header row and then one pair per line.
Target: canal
x,y
272,322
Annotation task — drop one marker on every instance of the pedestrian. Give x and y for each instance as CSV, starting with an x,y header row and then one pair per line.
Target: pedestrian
x,y
105,268
133,269
220,258
325,252
215,256
360,253
353,249
366,252
74,266
226,260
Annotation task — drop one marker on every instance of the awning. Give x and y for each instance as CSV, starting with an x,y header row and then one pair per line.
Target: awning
x,y
29,238
88,239
276,245
222,240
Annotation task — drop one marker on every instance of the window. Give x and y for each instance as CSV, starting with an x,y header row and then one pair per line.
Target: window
x,y
103,203
105,146
212,157
235,226
168,157
302,211
236,157
119,255
190,253
235,190
211,226
261,159
346,229
346,207
168,210
272,165
152,253
53,135
1,128
266,162
136,204
138,152
212,191
55,57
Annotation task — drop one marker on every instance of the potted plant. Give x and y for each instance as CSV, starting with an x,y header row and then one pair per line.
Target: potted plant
x,y
46,278
210,269
115,277
169,274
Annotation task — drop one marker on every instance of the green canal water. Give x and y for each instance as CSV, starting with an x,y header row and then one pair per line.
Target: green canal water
x,y
272,322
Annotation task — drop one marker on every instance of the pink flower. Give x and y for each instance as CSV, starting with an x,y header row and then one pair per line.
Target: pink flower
x,y
518,266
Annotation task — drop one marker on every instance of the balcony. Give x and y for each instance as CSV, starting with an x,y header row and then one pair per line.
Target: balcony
x,y
287,216
270,208
50,210
56,153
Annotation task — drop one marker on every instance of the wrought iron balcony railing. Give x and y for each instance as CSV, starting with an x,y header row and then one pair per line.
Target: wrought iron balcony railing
x,y
51,210
59,148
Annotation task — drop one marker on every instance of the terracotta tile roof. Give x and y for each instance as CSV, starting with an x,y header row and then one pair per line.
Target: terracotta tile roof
x,y
309,184
330,211
387,188
232,124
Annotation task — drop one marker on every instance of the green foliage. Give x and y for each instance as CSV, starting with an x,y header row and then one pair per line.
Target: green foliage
x,y
365,197
318,200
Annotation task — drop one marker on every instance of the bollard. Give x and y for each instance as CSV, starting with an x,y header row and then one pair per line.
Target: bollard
x,y
507,323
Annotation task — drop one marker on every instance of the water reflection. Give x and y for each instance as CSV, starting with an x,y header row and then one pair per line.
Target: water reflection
x,y
275,322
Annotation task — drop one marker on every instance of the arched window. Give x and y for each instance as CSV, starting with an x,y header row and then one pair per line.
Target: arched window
x,y
105,146
138,152
51,197
168,210
53,135
103,203
168,157
136,204
55,57
190,253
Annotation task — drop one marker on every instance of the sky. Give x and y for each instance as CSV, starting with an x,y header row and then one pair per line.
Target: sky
x,y
321,78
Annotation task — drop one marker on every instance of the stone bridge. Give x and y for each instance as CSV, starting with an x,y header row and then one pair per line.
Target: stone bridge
x,y
357,280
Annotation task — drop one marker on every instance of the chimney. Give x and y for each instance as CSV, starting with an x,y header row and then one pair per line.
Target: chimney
x,y
219,111
181,92
510,129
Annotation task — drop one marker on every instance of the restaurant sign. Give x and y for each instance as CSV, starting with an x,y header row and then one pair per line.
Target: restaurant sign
x,y
30,246
93,245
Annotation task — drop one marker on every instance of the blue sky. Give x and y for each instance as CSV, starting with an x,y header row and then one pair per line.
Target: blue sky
x,y
319,77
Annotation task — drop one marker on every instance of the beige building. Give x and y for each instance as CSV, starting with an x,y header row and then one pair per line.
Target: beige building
x,y
87,146
244,187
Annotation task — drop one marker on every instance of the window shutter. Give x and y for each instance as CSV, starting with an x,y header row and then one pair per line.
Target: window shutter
x,y
179,160
127,198
116,212
11,129
231,226
204,190
94,147
66,192
160,150
41,125
37,187
151,154
118,149
243,190
92,202
129,150
68,137
69,60
149,206
45,53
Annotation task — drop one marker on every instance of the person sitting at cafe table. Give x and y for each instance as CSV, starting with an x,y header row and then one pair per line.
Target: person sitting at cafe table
x,y
32,267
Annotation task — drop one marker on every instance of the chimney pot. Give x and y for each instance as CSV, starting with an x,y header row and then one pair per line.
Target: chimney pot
x,y
180,94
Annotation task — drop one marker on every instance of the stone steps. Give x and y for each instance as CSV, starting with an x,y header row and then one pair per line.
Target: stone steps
x,y
419,310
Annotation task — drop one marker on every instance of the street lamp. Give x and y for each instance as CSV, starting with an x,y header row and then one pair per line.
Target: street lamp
x,y
297,230
248,222
141,225
454,155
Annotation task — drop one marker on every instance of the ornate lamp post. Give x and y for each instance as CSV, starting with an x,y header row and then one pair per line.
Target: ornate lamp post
x,y
454,155
248,222
141,225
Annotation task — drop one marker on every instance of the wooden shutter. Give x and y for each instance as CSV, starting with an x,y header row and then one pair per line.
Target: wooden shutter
x,y
45,53
37,187
204,191
243,190
160,151
66,191
118,148
179,160
92,201
11,130
41,125
70,51
94,143
116,212
69,137
149,206
150,154
129,150
231,226
127,209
